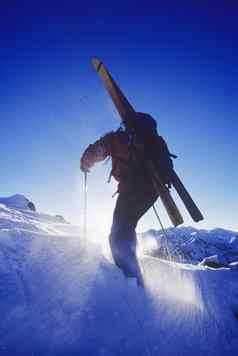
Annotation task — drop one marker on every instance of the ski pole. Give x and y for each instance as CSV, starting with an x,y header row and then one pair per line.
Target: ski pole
x,y
85,208
163,230
159,220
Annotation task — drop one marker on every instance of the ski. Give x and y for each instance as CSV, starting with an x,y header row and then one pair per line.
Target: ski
x,y
125,110
121,103
192,208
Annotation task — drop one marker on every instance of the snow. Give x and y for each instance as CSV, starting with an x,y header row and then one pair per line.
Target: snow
x,y
60,296
190,245
17,201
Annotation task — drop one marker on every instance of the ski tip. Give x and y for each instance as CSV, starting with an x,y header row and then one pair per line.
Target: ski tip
x,y
97,64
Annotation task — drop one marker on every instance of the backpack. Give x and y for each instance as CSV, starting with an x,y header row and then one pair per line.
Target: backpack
x,y
156,148
162,159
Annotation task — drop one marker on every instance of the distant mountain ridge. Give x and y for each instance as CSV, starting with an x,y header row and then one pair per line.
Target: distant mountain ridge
x,y
18,201
191,245
184,244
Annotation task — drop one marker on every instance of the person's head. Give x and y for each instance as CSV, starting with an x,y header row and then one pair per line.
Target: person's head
x,y
130,123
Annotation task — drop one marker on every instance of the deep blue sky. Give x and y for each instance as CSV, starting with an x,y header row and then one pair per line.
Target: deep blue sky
x,y
178,63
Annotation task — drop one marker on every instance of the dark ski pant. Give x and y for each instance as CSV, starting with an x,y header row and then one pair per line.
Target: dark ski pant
x,y
130,207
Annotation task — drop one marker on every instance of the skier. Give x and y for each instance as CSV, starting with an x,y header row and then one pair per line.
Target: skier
x,y
129,148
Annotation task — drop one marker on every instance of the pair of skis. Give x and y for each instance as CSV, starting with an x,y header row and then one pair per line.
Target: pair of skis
x,y
126,111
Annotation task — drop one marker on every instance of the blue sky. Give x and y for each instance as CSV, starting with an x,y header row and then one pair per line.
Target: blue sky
x,y
176,62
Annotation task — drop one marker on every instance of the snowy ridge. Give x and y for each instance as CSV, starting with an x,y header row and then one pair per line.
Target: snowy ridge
x,y
190,245
61,297
18,201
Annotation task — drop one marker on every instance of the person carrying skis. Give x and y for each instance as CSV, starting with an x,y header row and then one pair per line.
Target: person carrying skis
x,y
129,149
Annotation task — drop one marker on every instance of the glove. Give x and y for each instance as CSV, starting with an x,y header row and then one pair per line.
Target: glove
x,y
94,153
85,165
87,160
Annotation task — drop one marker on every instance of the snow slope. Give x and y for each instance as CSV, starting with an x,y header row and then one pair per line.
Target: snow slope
x,y
62,297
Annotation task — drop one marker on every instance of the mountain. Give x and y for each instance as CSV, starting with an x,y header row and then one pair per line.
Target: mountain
x,y
18,201
190,245
61,295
